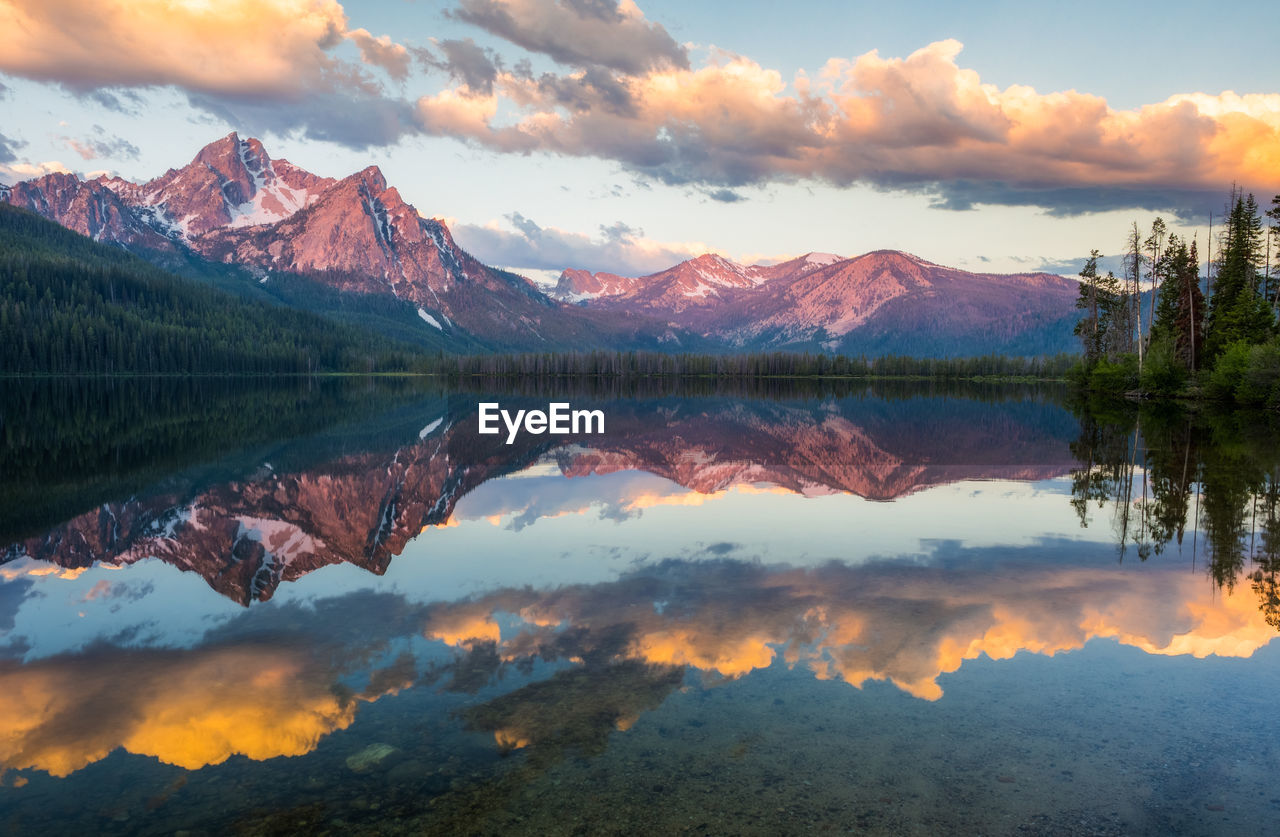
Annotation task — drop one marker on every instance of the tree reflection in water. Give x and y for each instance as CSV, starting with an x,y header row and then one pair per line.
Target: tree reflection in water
x,y
1159,470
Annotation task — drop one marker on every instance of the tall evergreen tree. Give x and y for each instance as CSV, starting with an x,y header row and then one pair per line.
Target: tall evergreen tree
x,y
1155,247
1238,310
1179,314
1133,280
1100,299
1272,269
1089,328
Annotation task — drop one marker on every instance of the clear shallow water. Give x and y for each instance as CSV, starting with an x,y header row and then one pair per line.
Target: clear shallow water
x,y
892,612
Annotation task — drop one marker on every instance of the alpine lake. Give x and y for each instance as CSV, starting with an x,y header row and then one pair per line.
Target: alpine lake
x,y
332,606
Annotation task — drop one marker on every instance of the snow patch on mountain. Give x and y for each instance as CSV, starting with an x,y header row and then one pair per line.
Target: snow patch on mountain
x,y
430,428
822,259
281,539
272,199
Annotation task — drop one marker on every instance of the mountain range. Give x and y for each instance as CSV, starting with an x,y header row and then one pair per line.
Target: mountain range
x,y
881,302
266,228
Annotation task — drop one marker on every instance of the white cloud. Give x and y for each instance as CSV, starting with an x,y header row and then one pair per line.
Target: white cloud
x,y
618,248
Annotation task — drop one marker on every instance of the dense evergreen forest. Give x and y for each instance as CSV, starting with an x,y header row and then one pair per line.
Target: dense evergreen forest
x,y
69,305
747,366
68,444
1215,336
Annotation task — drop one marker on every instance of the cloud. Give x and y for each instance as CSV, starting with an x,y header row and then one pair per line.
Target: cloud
x,y
617,495
184,708
1189,204
907,623
617,248
466,62
236,57
12,595
273,48
103,145
124,101
354,121
104,589
1072,267
627,92
608,33
233,693
593,87
725,196
17,171
381,52
9,149
920,123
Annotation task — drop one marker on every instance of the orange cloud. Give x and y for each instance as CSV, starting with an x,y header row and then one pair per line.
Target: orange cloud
x,y
16,171
652,499
381,52
907,626
188,708
460,627
629,94
277,48
916,122
274,65
730,656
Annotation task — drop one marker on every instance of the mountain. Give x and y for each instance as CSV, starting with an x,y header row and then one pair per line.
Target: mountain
x,y
231,183
700,283
881,302
234,205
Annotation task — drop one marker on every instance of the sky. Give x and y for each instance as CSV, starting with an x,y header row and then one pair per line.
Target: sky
x,y
607,135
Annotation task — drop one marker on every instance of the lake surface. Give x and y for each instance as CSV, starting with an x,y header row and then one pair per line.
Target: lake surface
x,y
334,607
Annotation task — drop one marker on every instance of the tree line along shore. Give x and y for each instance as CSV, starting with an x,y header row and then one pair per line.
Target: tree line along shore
x,y
1163,330
73,306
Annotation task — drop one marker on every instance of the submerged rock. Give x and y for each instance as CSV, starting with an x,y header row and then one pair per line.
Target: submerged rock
x,y
370,757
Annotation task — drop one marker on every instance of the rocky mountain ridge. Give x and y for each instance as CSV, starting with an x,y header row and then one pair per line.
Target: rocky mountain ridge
x,y
829,302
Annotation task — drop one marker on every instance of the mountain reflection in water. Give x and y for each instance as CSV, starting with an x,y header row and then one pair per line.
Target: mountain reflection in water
x,y
466,620
246,535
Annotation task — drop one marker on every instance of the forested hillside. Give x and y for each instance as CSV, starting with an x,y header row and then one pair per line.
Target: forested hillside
x,y
69,305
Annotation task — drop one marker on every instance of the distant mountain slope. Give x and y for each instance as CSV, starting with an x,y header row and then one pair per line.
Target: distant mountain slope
x,y
881,302
70,305
700,282
234,205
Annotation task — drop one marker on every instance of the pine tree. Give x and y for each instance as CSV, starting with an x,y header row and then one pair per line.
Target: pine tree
x,y
1180,311
1238,310
1155,246
1090,328
1101,300
1273,235
1133,281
